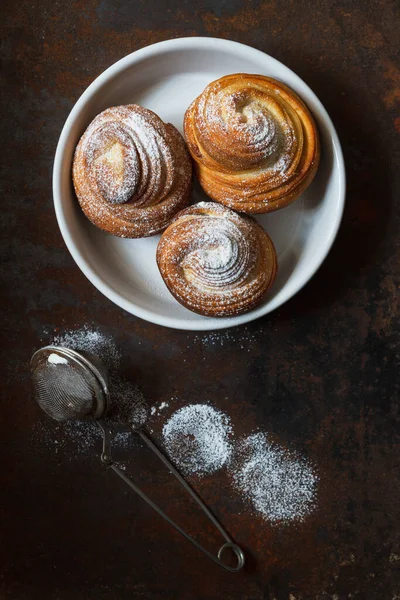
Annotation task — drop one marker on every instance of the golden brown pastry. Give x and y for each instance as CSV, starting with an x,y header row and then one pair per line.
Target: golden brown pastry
x,y
131,172
216,262
254,142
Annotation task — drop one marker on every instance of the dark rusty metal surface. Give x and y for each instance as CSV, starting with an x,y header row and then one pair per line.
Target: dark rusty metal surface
x,y
321,373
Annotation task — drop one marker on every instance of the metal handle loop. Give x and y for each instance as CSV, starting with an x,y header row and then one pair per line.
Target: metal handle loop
x,y
107,459
238,553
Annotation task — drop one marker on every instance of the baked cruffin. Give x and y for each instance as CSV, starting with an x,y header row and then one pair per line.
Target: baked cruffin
x,y
216,262
254,142
131,172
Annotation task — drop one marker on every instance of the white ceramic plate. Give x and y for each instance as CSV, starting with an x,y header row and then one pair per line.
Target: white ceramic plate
x,y
166,77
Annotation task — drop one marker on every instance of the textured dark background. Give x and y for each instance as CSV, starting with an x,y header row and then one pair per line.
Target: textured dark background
x,y
321,373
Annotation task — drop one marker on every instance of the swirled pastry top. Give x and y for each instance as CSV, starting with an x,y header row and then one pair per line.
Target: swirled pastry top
x,y
254,142
131,171
216,262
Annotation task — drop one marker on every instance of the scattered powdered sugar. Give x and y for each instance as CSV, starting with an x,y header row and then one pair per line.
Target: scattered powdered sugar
x,y
92,341
243,338
128,405
76,438
280,485
197,438
155,410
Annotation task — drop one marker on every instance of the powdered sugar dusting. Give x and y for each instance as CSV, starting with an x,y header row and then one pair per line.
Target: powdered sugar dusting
x,y
155,410
280,486
75,438
128,157
243,338
93,341
198,439
220,255
244,129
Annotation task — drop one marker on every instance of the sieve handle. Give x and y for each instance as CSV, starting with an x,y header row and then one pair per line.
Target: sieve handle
x,y
229,543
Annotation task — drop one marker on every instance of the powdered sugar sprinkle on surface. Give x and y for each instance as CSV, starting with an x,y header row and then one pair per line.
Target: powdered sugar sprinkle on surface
x,y
76,438
91,341
198,439
243,338
155,410
279,485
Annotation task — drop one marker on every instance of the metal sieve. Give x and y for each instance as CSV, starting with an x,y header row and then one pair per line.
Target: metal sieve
x,y
69,386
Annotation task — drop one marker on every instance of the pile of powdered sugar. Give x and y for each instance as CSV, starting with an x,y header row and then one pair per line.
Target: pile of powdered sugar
x,y
279,485
198,439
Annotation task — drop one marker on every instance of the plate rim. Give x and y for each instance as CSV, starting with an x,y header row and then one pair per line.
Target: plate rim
x,y
205,324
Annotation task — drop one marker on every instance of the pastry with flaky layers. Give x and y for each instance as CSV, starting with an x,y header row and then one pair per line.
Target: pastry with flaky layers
x,y
254,142
216,262
131,172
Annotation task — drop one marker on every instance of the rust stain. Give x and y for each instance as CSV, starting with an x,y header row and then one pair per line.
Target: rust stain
x,y
386,315
243,21
391,75
371,37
